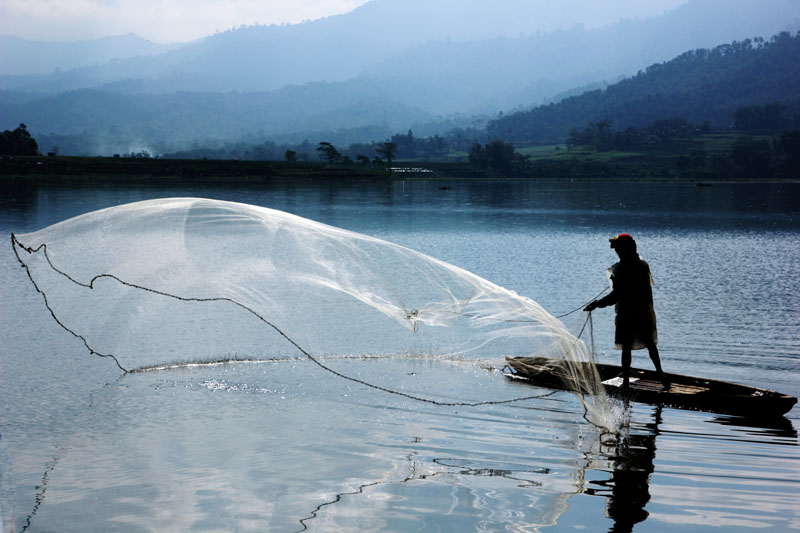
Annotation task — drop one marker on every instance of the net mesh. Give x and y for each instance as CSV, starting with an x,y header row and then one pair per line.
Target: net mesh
x,y
190,281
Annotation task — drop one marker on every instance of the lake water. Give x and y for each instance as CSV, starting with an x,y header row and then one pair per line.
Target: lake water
x,y
287,447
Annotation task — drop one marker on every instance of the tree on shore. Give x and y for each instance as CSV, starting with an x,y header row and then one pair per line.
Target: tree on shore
x,y
753,156
290,156
789,145
406,144
328,151
498,155
18,142
387,150
597,135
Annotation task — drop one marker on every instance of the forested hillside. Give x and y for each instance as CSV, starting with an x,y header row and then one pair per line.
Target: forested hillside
x,y
698,86
531,69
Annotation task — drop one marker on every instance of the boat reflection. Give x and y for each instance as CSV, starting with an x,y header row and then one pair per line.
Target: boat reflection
x,y
768,426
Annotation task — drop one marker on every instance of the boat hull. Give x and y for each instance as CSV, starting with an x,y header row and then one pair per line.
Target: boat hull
x,y
684,392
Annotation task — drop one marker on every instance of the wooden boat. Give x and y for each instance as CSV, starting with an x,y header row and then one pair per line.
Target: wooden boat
x,y
684,392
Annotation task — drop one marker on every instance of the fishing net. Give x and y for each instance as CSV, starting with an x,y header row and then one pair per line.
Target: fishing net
x,y
172,282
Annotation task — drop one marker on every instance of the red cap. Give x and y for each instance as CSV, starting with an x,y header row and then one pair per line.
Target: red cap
x,y
623,239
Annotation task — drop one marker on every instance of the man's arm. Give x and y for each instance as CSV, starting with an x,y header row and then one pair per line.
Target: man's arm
x,y
610,299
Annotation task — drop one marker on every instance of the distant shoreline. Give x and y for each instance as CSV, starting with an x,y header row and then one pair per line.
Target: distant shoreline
x,y
103,170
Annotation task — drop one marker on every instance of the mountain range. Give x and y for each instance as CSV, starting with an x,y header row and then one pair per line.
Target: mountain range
x,y
349,42
385,67
22,57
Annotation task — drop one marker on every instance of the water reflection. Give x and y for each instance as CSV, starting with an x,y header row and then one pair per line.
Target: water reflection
x,y
628,459
628,488
543,202
419,472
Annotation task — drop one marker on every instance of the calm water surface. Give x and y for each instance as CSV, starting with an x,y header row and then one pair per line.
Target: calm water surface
x,y
288,447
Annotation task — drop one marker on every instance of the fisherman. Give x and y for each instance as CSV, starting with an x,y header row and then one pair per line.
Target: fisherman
x,y
632,295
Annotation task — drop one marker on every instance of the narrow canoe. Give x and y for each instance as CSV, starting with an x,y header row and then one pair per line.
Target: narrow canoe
x,y
684,392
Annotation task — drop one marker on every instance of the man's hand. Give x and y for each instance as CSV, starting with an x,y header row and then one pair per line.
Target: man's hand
x,y
591,307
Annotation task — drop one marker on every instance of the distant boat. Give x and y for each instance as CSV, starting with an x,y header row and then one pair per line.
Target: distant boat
x,y
684,392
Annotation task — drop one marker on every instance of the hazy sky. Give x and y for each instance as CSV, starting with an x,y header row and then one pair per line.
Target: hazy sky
x,y
158,20
168,21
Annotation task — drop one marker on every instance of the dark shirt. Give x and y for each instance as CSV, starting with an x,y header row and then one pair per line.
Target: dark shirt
x,y
632,296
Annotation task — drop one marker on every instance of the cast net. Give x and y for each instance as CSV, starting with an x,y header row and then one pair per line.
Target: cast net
x,y
188,281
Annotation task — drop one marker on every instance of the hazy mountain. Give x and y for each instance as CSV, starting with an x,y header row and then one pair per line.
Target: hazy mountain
x,y
111,122
504,54
504,73
388,65
23,57
700,85
335,48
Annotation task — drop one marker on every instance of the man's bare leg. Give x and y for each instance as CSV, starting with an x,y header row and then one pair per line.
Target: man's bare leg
x,y
653,351
626,367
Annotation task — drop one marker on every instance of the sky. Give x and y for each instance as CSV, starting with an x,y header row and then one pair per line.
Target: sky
x,y
176,21
163,21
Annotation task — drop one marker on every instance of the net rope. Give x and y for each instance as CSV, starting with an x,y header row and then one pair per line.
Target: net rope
x,y
331,293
